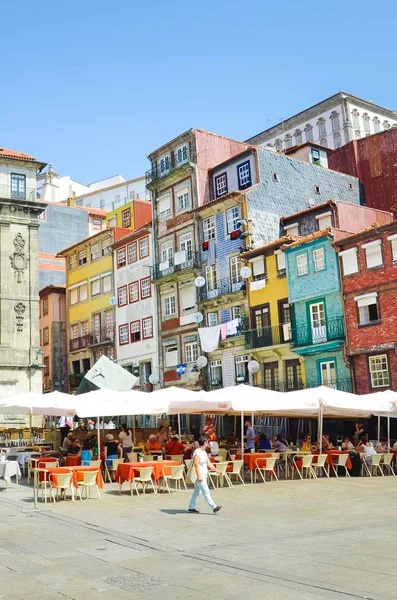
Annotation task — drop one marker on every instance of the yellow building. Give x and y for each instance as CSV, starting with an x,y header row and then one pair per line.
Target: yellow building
x,y
270,318
133,215
90,315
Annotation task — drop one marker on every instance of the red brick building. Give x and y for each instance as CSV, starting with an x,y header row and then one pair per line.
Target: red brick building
x,y
368,265
373,160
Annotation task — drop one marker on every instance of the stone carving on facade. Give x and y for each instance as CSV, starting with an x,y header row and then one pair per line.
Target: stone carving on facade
x,y
19,260
19,311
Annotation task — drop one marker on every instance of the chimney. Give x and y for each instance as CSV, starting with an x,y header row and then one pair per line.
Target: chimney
x,y
70,201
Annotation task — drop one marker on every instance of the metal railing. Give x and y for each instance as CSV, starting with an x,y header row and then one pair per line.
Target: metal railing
x,y
167,267
266,336
101,336
167,165
80,342
229,285
281,273
7,192
332,329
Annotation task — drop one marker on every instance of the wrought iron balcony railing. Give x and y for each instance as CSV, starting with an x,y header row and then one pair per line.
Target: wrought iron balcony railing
x,y
331,329
180,262
267,336
229,285
81,342
102,336
168,164
8,192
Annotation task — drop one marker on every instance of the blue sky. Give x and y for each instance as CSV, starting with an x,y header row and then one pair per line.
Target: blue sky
x,y
94,86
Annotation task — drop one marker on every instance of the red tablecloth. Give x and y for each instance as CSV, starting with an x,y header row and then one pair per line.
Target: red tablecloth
x,y
77,474
72,460
331,453
250,459
42,459
127,471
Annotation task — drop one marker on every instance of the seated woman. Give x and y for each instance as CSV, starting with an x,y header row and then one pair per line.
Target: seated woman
x,y
153,444
113,450
74,447
307,445
174,446
264,442
366,448
279,443
325,442
347,444
86,454
382,446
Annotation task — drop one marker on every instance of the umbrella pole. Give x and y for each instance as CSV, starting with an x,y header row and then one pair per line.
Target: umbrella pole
x,y
388,430
133,429
179,427
242,435
320,427
378,428
30,427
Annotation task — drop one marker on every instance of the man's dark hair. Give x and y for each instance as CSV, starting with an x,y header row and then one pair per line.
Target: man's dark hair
x,y
203,440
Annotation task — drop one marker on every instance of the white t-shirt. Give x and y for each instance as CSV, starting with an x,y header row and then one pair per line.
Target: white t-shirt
x,y
203,457
370,450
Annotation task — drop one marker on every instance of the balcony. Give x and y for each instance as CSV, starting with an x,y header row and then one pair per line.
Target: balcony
x,y
265,336
213,290
102,336
171,265
306,335
169,165
9,192
81,342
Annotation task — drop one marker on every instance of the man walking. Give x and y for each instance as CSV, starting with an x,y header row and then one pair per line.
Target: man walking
x,y
250,437
201,464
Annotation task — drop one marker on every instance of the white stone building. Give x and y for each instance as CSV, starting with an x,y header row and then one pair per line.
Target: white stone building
x,y
136,312
20,352
332,123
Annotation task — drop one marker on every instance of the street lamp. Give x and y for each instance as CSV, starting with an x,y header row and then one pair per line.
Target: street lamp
x,y
253,367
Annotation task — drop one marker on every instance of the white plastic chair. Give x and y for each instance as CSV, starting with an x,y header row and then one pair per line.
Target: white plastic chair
x,y
115,463
89,481
132,456
219,477
95,463
144,478
222,454
177,458
306,468
375,464
387,462
237,468
266,465
30,465
63,483
341,460
148,457
177,476
188,467
320,464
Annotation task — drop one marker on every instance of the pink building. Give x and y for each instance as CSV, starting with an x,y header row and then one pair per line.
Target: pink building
x,y
53,338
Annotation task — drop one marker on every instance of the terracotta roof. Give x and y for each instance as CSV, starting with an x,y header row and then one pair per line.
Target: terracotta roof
x,y
285,239
61,287
376,228
309,209
12,154
133,235
224,197
311,237
293,149
99,212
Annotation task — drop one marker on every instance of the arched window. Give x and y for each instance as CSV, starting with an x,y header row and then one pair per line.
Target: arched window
x,y
309,133
357,134
366,121
337,140
322,128
356,119
288,141
376,123
278,144
298,136
335,121
323,142
386,125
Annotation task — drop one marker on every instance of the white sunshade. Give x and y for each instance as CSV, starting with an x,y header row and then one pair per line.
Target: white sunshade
x,y
53,404
181,401
342,404
106,403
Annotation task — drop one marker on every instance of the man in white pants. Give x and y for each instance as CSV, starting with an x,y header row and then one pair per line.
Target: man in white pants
x,y
201,464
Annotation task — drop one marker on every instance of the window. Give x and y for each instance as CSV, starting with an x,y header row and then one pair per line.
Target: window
x,y
349,261
167,254
78,293
318,257
367,308
95,251
322,128
208,229
258,265
244,175
74,331
122,295
183,200
232,219
112,220
317,189
337,140
106,282
298,136
309,133
235,265
169,304
393,241
18,186
293,371
376,123
241,366
97,224
191,352
109,323
271,376
144,247
316,158
288,141
45,307
147,328
212,319
323,142
106,249
366,121
95,286
84,328
121,258
171,355
328,373
46,361
292,229
221,185
126,217
216,372
278,144
324,220
188,296
373,254
386,125
82,257
46,336
185,245
236,312
280,258
146,288
131,251
164,207
301,263
123,334
182,154
211,278
335,122
379,371
135,330
357,134
74,296
356,119
274,177
133,292
132,195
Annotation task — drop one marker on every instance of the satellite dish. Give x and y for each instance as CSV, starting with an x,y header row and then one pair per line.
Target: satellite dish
x,y
199,281
198,317
113,301
154,378
202,362
245,272
253,366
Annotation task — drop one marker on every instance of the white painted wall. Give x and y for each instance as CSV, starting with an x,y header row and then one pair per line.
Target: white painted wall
x,y
104,183
371,114
231,170
112,198
8,166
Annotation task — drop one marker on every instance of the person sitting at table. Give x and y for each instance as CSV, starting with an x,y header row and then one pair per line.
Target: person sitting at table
x,y
74,447
366,448
188,452
347,445
307,445
67,442
264,442
86,453
113,450
174,446
382,446
394,446
325,442
279,443
153,444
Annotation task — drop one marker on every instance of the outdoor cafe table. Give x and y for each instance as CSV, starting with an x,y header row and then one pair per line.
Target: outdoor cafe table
x,y
72,460
77,474
251,458
10,469
329,461
126,471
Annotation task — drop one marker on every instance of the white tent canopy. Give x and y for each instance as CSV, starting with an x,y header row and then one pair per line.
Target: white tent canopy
x,y
106,403
34,403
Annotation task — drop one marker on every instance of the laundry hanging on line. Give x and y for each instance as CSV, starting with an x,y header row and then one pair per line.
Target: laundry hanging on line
x,y
209,338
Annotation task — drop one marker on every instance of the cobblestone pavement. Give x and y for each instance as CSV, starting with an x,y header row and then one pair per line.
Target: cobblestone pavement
x,y
288,541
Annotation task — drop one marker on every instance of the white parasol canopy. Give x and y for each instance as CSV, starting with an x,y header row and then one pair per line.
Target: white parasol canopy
x,y
34,403
106,403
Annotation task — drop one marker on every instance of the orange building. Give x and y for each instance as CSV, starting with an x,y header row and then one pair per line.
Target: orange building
x,y
53,338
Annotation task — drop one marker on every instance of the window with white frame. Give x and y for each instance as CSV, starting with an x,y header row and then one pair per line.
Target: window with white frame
x,y
386,125
135,331
241,366
143,247
309,133
367,308
379,371
97,224
292,229
235,265
133,291
236,312
126,217
188,296
376,123
122,295
393,242
82,257
84,328
113,220
74,296
211,278
95,286
373,254
147,328
95,251
232,219
75,331
131,252
244,175
278,144
301,263
106,247
106,282
164,207
221,185
335,121
182,154
337,140
186,245
318,258
366,121
146,290
191,351
167,253
288,141
169,305
121,258
171,355
123,334
208,229
258,265
183,200
322,128
216,372
324,220
73,262
298,136
280,259
356,119
83,292
212,319
349,261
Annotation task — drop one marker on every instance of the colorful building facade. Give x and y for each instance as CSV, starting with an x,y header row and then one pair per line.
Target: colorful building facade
x,y
53,338
133,215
